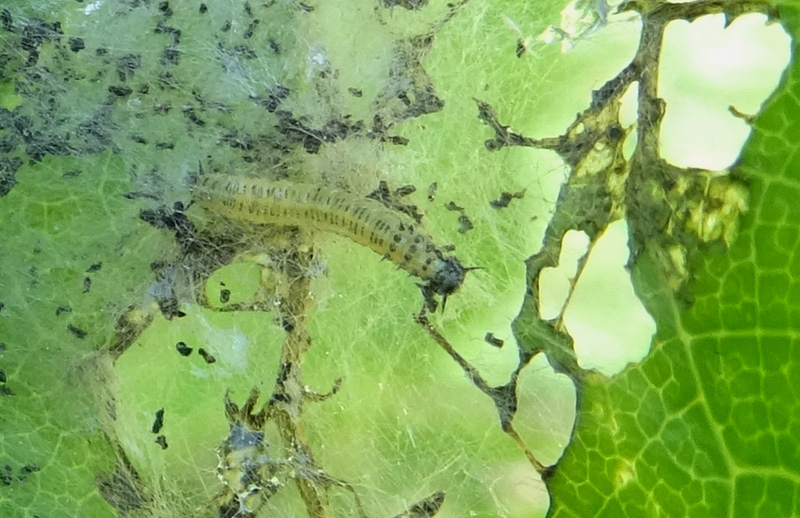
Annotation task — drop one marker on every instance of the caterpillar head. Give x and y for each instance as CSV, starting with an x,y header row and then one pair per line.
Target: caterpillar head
x,y
448,277
446,280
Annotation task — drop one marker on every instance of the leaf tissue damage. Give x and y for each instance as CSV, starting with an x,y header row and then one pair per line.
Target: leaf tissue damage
x,y
678,435
672,213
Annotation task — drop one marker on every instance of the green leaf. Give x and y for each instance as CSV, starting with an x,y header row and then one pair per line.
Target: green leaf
x,y
707,424
53,444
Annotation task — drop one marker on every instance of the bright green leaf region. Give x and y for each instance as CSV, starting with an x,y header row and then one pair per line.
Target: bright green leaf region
x,y
707,424
158,359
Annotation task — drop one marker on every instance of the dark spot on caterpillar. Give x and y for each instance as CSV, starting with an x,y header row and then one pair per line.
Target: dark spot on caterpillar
x,y
158,423
493,340
203,8
94,267
183,349
2,376
224,295
6,391
162,441
206,356
505,199
87,284
63,309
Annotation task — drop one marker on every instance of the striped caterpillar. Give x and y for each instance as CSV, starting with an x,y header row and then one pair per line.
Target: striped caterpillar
x,y
366,221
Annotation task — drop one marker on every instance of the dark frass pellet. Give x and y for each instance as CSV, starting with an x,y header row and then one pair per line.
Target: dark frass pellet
x,y
206,356
183,349
158,422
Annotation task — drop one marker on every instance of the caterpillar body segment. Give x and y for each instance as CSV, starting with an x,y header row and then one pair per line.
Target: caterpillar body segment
x,y
363,220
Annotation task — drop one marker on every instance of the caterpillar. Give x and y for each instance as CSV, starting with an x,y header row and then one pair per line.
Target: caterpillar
x,y
363,220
